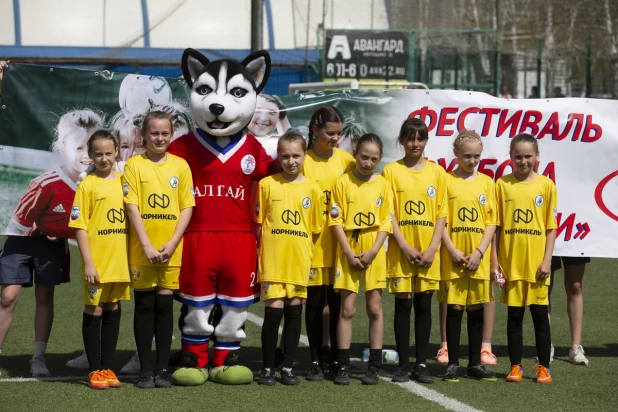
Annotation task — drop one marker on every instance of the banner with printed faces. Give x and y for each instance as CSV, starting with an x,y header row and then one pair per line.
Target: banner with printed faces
x,y
48,114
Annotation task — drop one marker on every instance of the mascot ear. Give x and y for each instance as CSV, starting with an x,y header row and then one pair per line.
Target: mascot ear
x,y
193,64
258,65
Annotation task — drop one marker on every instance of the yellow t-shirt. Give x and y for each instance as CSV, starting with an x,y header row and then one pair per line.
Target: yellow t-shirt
x,y
324,172
160,191
419,201
471,207
98,209
361,205
526,210
290,213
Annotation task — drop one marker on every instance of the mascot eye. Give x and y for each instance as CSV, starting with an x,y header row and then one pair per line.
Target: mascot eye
x,y
238,92
203,90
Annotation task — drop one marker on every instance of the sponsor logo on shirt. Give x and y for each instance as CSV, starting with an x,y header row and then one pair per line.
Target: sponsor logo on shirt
x,y
379,201
125,188
247,164
431,192
482,199
306,203
174,181
75,212
539,200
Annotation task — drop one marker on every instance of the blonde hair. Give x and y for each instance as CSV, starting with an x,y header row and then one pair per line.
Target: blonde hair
x,y
74,128
467,136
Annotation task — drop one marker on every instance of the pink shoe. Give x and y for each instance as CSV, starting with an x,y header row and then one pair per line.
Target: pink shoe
x,y
487,357
442,357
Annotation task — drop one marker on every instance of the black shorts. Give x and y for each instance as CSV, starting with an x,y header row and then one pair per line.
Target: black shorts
x,y
567,261
23,257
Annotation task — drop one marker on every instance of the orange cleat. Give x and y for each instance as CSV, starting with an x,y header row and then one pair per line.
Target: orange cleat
x,y
487,357
97,380
112,380
516,374
543,374
442,357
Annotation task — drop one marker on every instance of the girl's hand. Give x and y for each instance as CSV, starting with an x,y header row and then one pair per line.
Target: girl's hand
x,y
427,257
474,260
167,250
367,257
52,238
458,258
544,270
412,254
152,254
91,275
355,263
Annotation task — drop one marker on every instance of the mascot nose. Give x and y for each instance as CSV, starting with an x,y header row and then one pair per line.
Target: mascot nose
x,y
216,109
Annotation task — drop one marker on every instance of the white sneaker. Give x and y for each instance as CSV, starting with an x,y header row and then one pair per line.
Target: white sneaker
x,y
132,367
81,362
577,356
38,368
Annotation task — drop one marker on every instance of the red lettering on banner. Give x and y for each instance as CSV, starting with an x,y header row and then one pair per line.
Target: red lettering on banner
x,y
502,167
512,122
488,112
565,226
483,167
444,121
527,122
591,127
442,162
550,171
580,120
461,120
551,127
423,113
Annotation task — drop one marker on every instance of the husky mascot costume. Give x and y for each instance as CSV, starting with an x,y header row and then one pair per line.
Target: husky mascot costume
x,y
219,254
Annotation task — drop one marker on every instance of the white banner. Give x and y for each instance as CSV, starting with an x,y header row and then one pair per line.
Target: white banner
x,y
578,144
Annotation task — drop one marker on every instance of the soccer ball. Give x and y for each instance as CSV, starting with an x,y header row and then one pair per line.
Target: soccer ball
x,y
138,93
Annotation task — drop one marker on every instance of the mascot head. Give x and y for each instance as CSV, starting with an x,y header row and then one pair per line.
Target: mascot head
x,y
224,92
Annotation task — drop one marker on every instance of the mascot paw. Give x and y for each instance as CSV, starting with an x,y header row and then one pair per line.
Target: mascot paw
x,y
231,375
190,376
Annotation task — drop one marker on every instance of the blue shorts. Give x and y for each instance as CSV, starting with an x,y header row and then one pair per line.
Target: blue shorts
x,y
27,258
567,261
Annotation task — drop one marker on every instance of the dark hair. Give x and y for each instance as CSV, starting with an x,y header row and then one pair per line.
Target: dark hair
x,y
320,117
101,135
291,136
277,101
410,128
370,138
524,138
155,114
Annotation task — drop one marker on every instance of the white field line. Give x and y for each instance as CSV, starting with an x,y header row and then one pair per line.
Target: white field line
x,y
415,388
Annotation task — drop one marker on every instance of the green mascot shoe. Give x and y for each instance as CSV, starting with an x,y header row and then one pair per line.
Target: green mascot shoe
x,y
231,375
190,376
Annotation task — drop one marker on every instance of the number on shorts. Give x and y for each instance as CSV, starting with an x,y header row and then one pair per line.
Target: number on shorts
x,y
252,279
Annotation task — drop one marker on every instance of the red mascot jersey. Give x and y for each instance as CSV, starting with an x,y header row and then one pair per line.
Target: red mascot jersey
x,y
222,179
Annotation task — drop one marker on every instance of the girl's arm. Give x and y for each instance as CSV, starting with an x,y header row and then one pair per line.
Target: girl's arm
x,y
428,255
411,253
152,254
258,233
474,258
167,250
90,270
354,262
544,270
456,255
495,244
